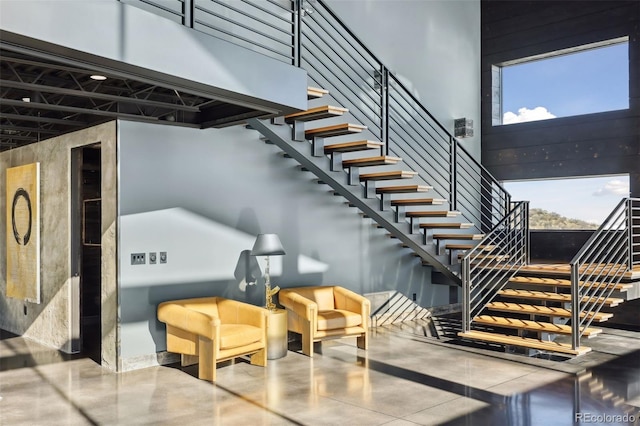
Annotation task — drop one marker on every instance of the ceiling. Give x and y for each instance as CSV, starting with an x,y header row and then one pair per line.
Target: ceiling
x,y
43,98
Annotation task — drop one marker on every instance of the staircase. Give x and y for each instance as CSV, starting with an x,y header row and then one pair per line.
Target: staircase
x,y
372,181
550,307
383,151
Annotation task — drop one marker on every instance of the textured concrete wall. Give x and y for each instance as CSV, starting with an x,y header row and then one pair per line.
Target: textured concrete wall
x,y
49,322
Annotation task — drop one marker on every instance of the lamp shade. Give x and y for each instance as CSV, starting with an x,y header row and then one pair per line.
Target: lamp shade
x,y
267,245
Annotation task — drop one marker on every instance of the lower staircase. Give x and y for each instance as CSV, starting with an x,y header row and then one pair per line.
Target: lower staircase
x,y
550,307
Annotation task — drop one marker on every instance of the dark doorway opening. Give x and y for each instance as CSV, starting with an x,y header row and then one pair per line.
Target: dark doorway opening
x,y
86,247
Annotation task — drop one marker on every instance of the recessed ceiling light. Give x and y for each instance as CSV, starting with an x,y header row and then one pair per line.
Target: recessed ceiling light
x,y
26,99
98,77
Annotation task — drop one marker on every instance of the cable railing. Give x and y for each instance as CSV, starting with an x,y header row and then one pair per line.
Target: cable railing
x,y
600,265
487,268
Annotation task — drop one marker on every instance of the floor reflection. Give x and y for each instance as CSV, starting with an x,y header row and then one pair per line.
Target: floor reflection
x,y
601,395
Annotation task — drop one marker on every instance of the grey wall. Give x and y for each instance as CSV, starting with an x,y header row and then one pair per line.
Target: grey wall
x,y
203,195
591,144
433,45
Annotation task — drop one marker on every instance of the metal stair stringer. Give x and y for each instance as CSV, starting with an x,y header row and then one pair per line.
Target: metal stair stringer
x,y
319,166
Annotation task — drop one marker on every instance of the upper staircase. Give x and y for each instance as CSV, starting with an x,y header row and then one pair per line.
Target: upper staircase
x,y
379,184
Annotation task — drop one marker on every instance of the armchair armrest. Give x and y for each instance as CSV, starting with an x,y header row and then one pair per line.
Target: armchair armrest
x,y
351,301
188,319
303,307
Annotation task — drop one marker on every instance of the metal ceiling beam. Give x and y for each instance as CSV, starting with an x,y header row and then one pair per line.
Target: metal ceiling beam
x,y
28,129
20,117
17,137
95,95
77,110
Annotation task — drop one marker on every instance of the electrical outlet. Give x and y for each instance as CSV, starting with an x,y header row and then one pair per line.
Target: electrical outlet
x,y
138,259
163,257
152,258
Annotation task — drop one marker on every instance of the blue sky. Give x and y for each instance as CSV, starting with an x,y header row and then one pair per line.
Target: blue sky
x,y
591,81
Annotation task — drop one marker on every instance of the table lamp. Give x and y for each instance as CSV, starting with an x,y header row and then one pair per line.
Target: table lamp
x,y
268,245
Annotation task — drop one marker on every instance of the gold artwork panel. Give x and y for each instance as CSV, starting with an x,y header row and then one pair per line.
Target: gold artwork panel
x,y
23,232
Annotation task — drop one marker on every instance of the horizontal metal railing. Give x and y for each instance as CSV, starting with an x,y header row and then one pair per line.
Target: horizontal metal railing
x,y
601,263
264,26
487,268
309,34
337,60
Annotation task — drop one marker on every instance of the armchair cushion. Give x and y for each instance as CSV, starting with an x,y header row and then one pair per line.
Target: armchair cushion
x,y
338,318
236,335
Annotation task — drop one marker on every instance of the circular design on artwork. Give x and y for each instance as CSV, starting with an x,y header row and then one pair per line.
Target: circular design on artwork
x,y
21,193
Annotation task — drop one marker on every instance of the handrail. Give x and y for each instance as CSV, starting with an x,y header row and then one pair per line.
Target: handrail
x,y
488,267
381,101
612,250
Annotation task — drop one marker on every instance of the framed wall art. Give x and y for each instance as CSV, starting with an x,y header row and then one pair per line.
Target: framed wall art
x,y
23,232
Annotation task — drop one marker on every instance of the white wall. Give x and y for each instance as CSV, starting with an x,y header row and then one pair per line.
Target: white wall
x,y
203,195
433,44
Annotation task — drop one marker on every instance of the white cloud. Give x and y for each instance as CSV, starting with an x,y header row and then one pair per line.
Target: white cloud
x,y
526,114
613,187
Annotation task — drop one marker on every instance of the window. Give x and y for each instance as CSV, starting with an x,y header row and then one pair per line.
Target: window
x,y
578,203
582,80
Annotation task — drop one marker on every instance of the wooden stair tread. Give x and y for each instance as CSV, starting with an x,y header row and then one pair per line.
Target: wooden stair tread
x,y
524,342
352,146
542,310
316,92
381,160
394,174
418,202
334,130
467,247
480,257
458,236
403,189
559,282
441,225
540,326
554,297
432,213
318,113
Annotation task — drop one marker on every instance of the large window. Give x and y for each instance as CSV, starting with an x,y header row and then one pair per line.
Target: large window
x,y
583,80
579,203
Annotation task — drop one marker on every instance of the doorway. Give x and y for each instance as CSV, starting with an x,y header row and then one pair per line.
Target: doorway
x,y
86,249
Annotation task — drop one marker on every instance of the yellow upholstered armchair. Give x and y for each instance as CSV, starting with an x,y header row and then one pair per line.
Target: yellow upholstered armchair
x,y
208,330
319,313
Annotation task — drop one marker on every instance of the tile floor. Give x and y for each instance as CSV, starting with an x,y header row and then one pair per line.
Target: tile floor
x,y
401,380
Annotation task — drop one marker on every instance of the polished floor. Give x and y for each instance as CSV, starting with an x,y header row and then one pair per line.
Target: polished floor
x,y
403,379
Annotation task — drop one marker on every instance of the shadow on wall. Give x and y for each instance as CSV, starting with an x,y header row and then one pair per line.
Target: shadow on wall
x,y
203,258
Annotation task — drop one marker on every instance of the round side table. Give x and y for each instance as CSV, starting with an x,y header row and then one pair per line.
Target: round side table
x,y
277,334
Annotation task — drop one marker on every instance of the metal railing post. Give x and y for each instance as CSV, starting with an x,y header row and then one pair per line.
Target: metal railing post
x,y
575,305
384,87
466,294
630,233
296,30
188,11
453,172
